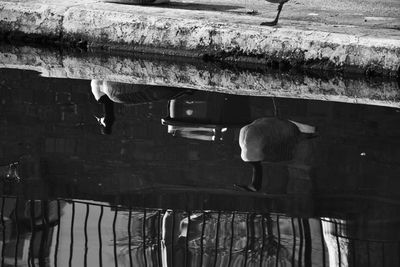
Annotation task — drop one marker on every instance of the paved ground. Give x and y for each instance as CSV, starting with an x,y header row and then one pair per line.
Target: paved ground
x,y
307,13
338,34
341,16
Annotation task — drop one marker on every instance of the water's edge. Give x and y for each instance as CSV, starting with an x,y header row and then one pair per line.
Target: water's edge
x,y
200,75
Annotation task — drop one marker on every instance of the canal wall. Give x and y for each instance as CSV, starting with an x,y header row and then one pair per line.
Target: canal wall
x,y
168,71
215,35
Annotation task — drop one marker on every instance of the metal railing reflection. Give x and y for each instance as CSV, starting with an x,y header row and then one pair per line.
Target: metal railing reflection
x,y
65,232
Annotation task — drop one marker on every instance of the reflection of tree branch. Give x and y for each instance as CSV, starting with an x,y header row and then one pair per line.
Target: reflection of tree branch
x,y
272,245
137,224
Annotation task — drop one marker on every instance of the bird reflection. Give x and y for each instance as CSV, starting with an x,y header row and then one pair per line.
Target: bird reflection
x,y
107,93
271,140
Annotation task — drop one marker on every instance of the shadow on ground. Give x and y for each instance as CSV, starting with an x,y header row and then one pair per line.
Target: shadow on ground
x,y
192,6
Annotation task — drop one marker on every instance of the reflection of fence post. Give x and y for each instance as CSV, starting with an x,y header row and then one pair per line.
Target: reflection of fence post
x,y
31,257
45,232
86,234
172,239
71,246
252,231
301,242
130,237
100,239
144,237
187,239
203,227
247,240
270,231
294,242
168,239
279,240
322,243
17,231
159,229
338,243
58,233
263,239
307,243
217,238
3,245
115,237
232,235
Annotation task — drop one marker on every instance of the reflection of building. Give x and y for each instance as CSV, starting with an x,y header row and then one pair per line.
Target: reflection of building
x,y
207,117
50,122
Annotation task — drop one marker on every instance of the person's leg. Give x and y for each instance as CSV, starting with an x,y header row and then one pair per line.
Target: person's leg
x,y
256,179
108,119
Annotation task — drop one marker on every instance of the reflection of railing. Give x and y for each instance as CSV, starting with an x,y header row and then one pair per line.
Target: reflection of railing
x,y
347,250
73,232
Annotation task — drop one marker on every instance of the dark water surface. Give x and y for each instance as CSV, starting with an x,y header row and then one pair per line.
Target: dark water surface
x,y
72,196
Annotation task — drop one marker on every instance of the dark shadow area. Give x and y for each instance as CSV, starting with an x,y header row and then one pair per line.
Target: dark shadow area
x,y
190,6
159,191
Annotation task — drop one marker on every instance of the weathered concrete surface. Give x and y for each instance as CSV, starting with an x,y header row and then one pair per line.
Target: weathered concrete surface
x,y
211,77
340,37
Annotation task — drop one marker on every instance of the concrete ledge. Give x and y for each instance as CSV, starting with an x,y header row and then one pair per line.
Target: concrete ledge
x,y
210,77
190,33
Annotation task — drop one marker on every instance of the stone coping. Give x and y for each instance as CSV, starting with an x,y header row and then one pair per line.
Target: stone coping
x,y
202,76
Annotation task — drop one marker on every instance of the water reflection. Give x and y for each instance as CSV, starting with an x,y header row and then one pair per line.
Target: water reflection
x,y
107,93
207,117
9,172
275,140
330,198
28,227
80,233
